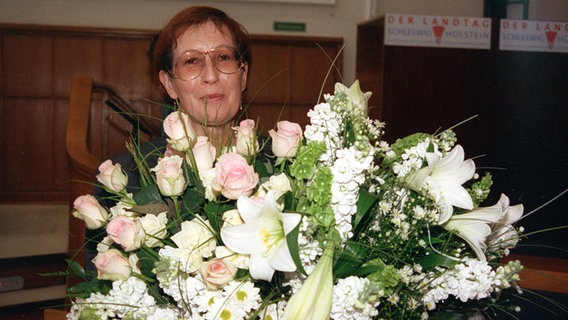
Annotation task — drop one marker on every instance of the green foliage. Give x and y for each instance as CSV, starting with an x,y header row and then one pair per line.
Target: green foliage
x,y
479,191
319,190
304,165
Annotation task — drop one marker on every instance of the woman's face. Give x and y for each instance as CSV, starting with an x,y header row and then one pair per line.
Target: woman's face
x,y
213,98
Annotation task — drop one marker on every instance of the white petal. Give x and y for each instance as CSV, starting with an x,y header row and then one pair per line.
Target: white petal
x,y
290,221
281,259
474,233
260,268
446,213
248,208
510,214
485,214
456,195
242,238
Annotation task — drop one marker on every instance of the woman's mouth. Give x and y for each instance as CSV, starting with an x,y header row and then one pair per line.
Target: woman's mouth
x,y
213,97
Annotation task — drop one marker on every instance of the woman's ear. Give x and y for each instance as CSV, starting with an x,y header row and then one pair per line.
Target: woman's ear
x,y
244,77
167,82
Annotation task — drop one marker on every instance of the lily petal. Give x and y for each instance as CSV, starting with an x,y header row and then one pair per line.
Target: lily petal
x,y
282,259
474,233
241,238
249,209
290,221
260,268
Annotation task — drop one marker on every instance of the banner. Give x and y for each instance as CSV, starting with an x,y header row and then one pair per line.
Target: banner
x,y
525,35
437,31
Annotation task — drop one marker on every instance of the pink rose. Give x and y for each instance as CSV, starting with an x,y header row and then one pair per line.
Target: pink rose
x,y
169,176
247,144
179,131
88,209
112,176
218,272
286,140
126,232
234,177
112,265
204,153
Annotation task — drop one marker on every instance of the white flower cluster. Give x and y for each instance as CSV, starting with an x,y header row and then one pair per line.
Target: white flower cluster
x,y
326,126
351,300
349,171
470,280
236,300
126,300
412,159
309,248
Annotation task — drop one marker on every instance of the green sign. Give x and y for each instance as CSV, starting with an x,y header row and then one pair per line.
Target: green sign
x,y
290,26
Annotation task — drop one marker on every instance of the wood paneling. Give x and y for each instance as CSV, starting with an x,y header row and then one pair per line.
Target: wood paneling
x,y
37,64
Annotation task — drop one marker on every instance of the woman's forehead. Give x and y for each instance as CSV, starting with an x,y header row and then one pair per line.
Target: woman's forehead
x,y
203,37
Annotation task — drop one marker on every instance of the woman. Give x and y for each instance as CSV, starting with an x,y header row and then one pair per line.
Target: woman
x,y
202,58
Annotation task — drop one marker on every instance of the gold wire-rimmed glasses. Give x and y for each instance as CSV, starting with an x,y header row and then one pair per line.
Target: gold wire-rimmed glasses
x,y
190,64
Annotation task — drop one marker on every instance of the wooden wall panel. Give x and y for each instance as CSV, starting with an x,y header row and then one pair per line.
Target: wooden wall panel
x,y
60,159
311,64
28,66
126,67
76,56
27,144
269,75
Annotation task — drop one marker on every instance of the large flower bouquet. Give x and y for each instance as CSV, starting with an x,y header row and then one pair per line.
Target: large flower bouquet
x,y
333,224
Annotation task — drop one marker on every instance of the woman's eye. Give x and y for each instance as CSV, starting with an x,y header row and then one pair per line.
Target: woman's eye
x,y
224,57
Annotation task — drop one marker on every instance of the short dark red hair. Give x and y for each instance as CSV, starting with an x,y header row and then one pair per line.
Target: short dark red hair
x,y
165,42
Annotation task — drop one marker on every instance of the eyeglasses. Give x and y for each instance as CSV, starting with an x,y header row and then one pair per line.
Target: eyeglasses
x,y
191,63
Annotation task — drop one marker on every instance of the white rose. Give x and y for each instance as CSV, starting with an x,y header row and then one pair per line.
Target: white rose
x,y
232,218
122,208
240,261
155,228
279,184
196,236
204,153
104,245
207,177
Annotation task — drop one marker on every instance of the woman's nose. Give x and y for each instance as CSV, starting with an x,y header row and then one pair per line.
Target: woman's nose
x,y
209,74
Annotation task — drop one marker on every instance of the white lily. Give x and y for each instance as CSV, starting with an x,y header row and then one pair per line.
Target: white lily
x,y
314,299
476,226
263,236
444,178
502,232
355,95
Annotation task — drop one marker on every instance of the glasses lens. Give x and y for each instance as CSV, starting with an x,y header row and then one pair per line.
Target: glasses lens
x,y
189,65
225,60
192,62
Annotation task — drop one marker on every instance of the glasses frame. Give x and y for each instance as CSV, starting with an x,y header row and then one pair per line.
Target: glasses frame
x,y
240,62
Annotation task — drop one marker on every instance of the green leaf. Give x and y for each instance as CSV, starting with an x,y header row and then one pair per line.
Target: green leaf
x,y
193,200
292,241
350,260
146,260
148,195
214,212
364,205
433,259
264,169
76,268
